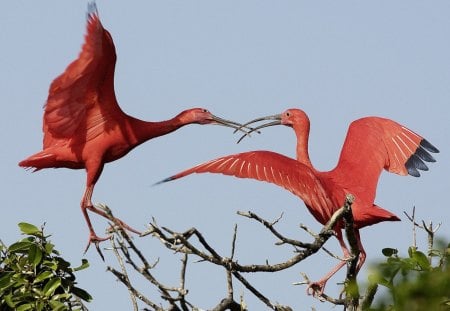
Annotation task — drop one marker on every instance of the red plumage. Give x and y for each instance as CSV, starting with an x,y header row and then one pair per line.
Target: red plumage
x,y
372,144
83,125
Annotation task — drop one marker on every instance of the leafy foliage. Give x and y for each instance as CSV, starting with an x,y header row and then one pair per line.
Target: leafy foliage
x,y
413,282
33,276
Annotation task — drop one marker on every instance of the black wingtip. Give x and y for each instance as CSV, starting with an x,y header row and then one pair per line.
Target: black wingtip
x,y
424,155
417,160
164,180
428,146
92,9
412,170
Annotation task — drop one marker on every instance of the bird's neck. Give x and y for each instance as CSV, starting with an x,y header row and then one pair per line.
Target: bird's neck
x,y
302,145
145,130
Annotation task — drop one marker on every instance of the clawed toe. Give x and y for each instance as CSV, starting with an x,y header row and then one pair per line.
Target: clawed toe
x,y
103,210
124,226
315,288
94,239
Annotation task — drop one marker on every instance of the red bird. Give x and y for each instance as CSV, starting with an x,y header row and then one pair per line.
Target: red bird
x,y
372,144
83,124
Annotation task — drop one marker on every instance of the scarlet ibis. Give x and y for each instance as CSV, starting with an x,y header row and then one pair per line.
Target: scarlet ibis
x,y
372,144
83,125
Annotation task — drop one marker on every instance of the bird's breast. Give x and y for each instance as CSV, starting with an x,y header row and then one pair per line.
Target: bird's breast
x,y
116,151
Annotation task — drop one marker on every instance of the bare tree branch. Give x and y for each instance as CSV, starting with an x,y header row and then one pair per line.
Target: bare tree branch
x,y
270,226
193,243
124,275
351,286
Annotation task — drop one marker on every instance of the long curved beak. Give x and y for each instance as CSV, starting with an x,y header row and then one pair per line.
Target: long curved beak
x,y
235,125
276,118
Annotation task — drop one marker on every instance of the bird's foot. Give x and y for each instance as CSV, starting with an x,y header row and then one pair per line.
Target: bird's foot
x,y
124,226
94,239
316,288
105,211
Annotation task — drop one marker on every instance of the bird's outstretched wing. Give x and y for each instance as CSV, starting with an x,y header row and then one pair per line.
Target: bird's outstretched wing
x,y
373,144
273,168
82,98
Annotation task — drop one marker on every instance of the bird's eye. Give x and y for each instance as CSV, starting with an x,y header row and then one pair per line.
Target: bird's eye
x,y
205,110
288,114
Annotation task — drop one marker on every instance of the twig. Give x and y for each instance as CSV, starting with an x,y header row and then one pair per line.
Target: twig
x,y
227,304
313,234
427,228
323,296
229,276
123,279
253,290
430,232
182,242
183,292
125,275
414,226
270,226
351,286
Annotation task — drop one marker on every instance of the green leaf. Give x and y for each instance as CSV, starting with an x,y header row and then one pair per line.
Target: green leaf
x,y
58,305
29,229
49,248
388,252
20,246
51,286
411,250
377,278
435,253
408,264
421,260
9,300
81,293
84,265
6,280
62,297
27,306
34,255
50,264
42,276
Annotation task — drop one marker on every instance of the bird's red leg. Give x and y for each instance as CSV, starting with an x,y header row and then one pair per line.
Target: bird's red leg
x,y
362,252
118,221
93,170
85,205
317,288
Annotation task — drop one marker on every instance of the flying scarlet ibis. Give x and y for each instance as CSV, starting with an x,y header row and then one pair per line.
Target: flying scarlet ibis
x,y
372,144
83,125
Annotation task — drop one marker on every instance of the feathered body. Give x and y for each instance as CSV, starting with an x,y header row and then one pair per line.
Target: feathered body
x,y
372,144
84,126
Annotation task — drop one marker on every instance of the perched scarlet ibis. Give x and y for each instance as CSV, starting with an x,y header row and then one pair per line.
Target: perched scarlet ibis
x,y
83,125
372,144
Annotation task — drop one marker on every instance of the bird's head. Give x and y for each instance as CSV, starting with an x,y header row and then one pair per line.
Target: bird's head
x,y
203,116
291,117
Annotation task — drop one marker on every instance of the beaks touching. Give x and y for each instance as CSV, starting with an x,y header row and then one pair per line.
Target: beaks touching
x,y
235,125
276,118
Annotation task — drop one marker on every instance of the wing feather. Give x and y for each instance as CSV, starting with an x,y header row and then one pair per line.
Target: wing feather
x,y
82,100
269,167
373,144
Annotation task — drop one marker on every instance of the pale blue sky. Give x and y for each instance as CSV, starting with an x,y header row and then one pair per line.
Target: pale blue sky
x,y
338,61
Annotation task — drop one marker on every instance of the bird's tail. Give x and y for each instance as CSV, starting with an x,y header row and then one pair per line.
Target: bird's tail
x,y
39,161
375,215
